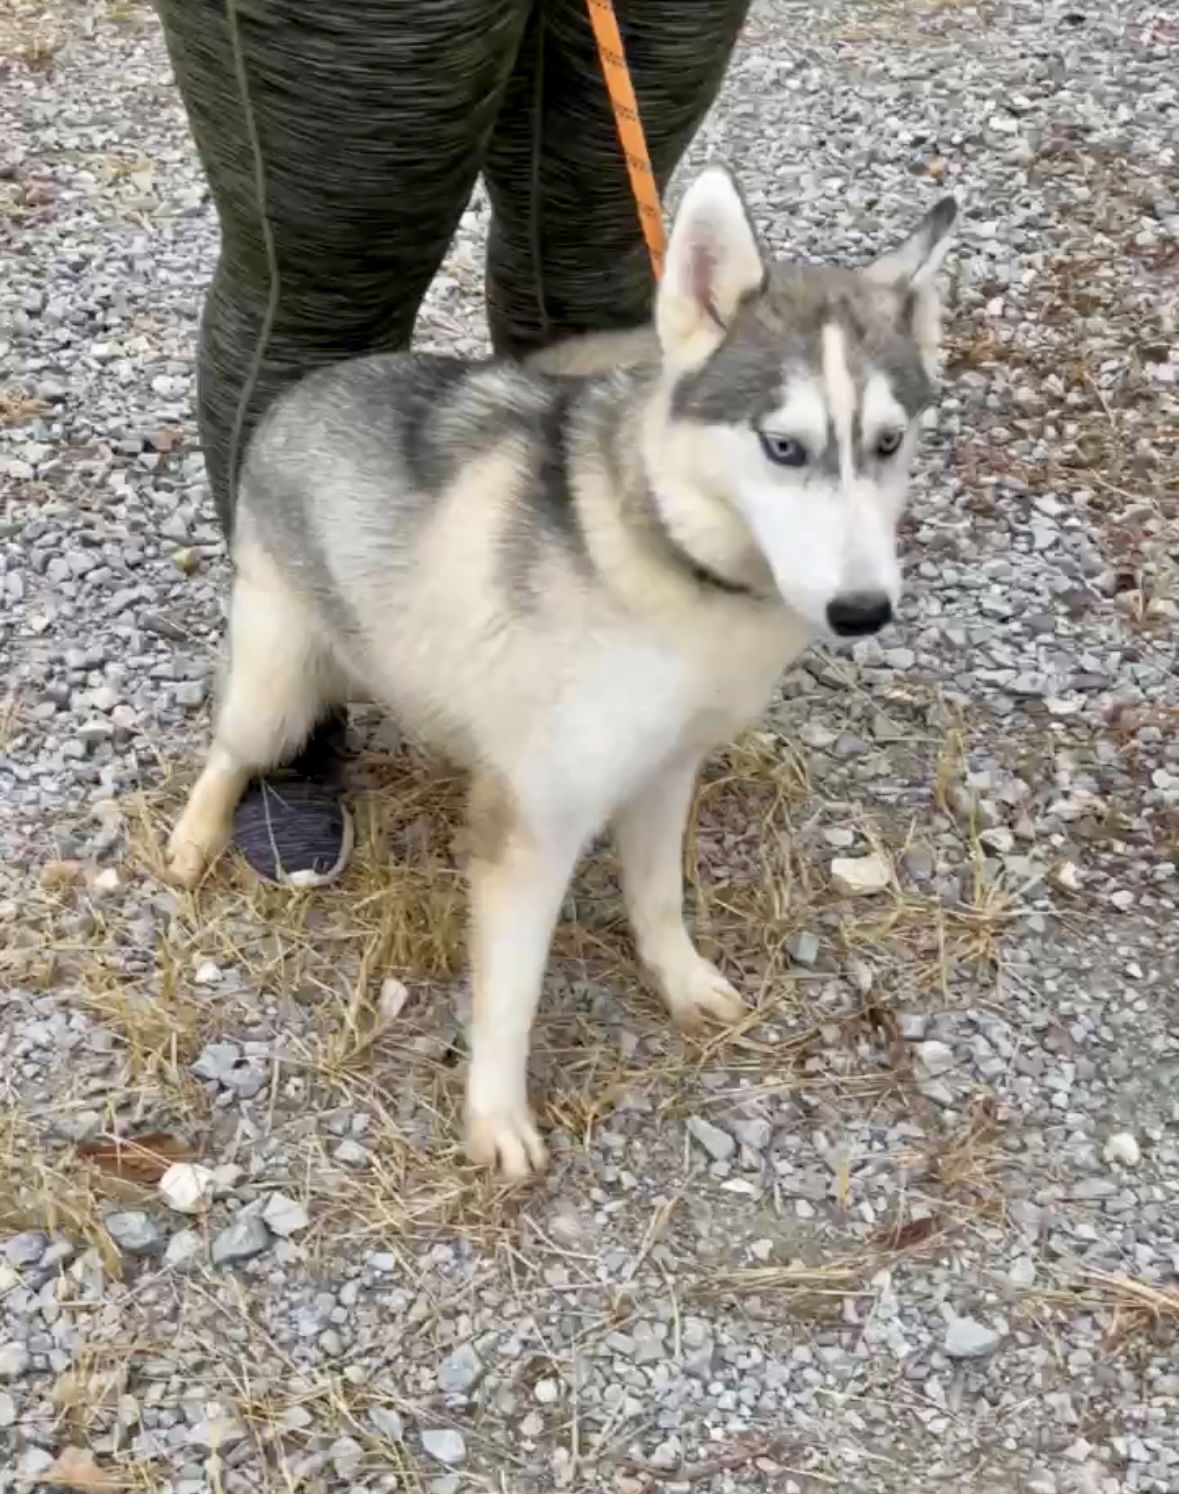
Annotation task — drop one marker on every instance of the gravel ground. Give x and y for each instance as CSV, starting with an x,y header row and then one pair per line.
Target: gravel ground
x,y
916,1226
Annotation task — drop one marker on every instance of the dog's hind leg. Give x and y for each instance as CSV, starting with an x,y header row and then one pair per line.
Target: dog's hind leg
x,y
520,866
649,834
274,692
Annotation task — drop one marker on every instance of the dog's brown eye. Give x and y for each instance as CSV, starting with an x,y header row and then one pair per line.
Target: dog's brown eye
x,y
888,442
783,450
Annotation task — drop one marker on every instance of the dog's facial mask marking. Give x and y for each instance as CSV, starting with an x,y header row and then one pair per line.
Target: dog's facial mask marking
x,y
796,398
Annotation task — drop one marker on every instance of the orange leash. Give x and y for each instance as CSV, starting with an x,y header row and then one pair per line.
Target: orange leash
x,y
630,128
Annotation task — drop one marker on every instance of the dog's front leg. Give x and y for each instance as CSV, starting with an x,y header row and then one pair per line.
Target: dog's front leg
x,y
649,833
519,869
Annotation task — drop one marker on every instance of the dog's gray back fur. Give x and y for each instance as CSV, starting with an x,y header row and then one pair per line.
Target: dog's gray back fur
x,y
373,445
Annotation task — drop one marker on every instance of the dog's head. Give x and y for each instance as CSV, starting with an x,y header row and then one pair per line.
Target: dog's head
x,y
794,401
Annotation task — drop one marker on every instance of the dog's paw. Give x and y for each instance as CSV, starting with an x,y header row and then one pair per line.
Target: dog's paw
x,y
697,994
507,1141
190,853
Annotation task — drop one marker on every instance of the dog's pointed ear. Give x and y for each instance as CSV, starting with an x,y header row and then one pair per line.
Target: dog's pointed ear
x,y
713,263
916,261
911,269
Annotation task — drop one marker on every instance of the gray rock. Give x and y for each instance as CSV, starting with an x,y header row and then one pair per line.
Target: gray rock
x,y
134,1231
386,1423
719,1145
919,863
346,1455
216,1060
184,1247
967,1338
240,1241
754,1134
25,1249
460,1370
351,1153
285,1216
444,1444
1090,1190
803,949
244,1079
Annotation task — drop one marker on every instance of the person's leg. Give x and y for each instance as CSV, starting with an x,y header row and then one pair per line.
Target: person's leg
x,y
566,252
341,140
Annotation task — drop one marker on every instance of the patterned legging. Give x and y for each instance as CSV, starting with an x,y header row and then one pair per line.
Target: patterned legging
x,y
342,138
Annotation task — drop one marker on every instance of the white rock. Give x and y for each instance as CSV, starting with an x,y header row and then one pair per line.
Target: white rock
x,y
208,973
14,1360
391,1000
816,735
34,1462
7,1409
285,1216
445,1444
187,1187
934,1057
1122,1147
226,1177
860,876
106,882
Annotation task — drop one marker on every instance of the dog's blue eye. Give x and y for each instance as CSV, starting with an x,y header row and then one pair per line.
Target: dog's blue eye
x,y
783,450
888,442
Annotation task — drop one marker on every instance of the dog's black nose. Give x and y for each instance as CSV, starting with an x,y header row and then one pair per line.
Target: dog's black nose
x,y
857,613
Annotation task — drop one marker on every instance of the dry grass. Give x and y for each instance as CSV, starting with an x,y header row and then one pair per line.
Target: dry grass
x,y
400,912
10,720
18,406
56,1192
32,33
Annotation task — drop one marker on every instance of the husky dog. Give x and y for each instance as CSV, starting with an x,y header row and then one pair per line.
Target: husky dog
x,y
576,579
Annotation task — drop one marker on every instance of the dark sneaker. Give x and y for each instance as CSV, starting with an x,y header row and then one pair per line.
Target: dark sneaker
x,y
292,826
